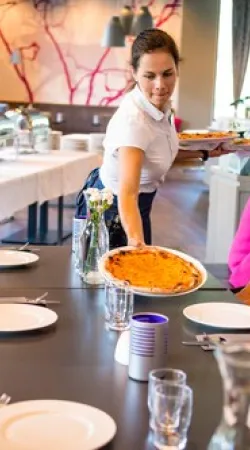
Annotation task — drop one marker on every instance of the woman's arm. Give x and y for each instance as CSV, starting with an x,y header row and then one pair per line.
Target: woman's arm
x,y
130,164
239,256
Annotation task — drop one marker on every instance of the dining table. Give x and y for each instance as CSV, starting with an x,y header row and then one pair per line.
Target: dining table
x,y
32,180
56,270
74,358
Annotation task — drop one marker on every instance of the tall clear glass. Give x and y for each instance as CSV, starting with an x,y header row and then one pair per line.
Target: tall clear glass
x,y
119,305
233,432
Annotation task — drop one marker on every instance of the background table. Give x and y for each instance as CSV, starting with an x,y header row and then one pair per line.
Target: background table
x,y
74,361
33,180
56,270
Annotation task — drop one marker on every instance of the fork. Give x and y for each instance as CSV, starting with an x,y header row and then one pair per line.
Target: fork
x,y
42,297
41,300
25,248
195,343
206,342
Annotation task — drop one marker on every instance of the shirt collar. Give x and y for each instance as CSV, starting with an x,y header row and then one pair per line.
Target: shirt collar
x,y
145,104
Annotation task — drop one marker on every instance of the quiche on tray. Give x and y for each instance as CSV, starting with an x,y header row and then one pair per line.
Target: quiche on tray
x,y
153,270
214,135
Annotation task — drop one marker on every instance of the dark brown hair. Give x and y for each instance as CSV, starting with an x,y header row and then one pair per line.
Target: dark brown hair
x,y
150,40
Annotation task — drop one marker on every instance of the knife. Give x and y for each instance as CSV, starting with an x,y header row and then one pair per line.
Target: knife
x,y
22,300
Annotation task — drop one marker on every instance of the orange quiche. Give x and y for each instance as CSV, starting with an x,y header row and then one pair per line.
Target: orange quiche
x,y
209,135
241,141
153,270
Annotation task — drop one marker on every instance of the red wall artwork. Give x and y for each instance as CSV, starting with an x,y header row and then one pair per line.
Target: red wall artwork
x,y
54,55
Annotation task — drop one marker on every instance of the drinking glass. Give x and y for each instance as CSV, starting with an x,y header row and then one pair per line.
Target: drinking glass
x,y
161,376
172,411
119,305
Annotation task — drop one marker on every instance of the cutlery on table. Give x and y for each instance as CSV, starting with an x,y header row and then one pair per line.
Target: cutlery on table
x,y
206,342
209,342
203,345
42,300
39,301
24,248
196,343
42,297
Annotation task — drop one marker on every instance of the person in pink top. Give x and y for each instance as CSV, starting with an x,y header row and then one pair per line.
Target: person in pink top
x,y
239,256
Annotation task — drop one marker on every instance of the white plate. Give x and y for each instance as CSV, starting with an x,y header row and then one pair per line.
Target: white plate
x,y
219,315
204,143
15,318
15,258
54,425
240,147
137,290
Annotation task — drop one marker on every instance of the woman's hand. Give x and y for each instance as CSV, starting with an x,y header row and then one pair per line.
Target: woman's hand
x,y
133,242
221,150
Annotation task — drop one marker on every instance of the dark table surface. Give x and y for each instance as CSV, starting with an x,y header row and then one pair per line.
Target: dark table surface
x,y
55,270
75,361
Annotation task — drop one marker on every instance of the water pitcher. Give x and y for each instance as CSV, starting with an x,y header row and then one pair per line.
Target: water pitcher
x,y
233,433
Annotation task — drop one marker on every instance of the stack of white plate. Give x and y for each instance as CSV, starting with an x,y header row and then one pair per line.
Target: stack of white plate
x,y
52,142
77,142
96,142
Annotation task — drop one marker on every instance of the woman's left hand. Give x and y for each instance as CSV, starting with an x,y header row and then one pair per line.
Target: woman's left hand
x,y
221,150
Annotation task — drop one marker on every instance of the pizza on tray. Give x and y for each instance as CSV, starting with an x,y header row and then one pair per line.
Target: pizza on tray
x,y
153,270
209,135
241,141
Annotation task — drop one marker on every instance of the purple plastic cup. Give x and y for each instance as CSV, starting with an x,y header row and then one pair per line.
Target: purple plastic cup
x,y
148,344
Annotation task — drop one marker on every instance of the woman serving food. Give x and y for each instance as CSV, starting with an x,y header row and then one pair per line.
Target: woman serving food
x,y
141,143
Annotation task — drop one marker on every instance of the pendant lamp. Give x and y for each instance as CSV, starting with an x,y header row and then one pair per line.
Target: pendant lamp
x,y
113,34
142,21
126,19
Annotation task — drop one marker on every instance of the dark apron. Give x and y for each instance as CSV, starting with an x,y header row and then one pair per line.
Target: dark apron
x,y
117,234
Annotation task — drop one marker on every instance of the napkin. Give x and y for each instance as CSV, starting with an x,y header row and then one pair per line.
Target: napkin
x,y
122,348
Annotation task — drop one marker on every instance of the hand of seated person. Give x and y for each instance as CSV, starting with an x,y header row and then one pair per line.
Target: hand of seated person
x,y
244,295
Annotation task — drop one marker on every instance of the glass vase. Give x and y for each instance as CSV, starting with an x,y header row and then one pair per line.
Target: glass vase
x,y
94,241
233,433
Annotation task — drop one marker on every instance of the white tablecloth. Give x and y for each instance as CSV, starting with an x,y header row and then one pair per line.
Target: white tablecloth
x,y
41,177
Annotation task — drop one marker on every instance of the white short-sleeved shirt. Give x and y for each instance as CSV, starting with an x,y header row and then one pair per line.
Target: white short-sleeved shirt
x,y
137,123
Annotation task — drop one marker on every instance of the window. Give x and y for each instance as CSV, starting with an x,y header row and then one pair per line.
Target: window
x,y
224,70
246,84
